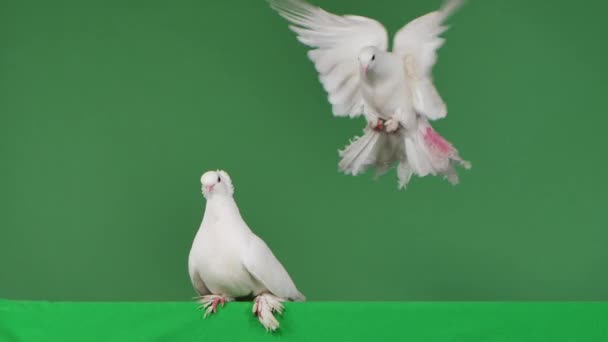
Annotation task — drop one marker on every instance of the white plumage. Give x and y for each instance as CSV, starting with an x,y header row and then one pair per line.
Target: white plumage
x,y
228,261
393,90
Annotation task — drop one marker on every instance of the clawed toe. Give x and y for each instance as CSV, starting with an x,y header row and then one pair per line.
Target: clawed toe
x,y
392,126
210,303
377,125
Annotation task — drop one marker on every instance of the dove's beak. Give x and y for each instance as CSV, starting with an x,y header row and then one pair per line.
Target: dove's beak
x,y
209,188
365,70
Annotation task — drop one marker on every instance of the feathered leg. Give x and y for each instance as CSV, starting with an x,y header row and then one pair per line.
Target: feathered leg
x,y
404,173
428,153
360,153
209,303
264,307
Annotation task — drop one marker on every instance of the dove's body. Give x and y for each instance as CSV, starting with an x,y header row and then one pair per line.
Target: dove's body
x,y
387,95
228,261
215,263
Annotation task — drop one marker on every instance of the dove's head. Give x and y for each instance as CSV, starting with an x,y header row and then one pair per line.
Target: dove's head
x,y
368,60
216,183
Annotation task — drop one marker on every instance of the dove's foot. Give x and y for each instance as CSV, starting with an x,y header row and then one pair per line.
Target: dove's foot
x,y
264,307
210,303
377,125
391,125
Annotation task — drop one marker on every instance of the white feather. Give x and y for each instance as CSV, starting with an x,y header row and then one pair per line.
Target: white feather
x,y
266,268
336,41
264,307
360,153
417,43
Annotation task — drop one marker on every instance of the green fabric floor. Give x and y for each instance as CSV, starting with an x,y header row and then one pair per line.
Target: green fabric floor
x,y
311,321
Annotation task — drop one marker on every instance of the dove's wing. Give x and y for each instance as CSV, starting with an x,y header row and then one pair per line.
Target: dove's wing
x,y
336,42
417,42
264,266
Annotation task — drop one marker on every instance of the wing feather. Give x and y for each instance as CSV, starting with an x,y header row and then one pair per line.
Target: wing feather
x,y
336,42
267,269
417,43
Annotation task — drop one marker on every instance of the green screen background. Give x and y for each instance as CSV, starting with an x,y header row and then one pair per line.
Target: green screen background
x,y
111,110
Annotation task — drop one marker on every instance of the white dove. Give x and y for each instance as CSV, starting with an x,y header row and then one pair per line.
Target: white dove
x,y
393,90
229,262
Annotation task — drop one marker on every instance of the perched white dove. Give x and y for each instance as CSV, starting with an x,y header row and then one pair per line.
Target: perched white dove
x,y
393,90
229,262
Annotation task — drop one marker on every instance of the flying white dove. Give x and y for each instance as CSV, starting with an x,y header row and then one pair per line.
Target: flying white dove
x,y
229,262
393,90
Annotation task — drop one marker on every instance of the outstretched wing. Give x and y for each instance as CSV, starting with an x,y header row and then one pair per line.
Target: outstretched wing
x,y
264,266
418,42
336,42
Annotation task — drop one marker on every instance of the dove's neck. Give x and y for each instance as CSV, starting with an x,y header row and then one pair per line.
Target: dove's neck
x,y
221,206
371,78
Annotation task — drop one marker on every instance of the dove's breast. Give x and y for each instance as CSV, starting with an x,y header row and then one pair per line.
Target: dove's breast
x,y
387,95
215,258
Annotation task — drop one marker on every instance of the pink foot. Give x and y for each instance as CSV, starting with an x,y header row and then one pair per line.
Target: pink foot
x,y
210,303
217,301
378,126
256,309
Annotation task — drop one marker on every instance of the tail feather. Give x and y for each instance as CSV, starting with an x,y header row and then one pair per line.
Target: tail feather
x,y
299,298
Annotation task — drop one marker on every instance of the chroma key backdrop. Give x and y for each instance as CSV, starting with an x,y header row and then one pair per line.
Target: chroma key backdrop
x,y
111,110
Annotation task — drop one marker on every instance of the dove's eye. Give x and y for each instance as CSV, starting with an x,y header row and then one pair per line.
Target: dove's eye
x,y
373,57
219,179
